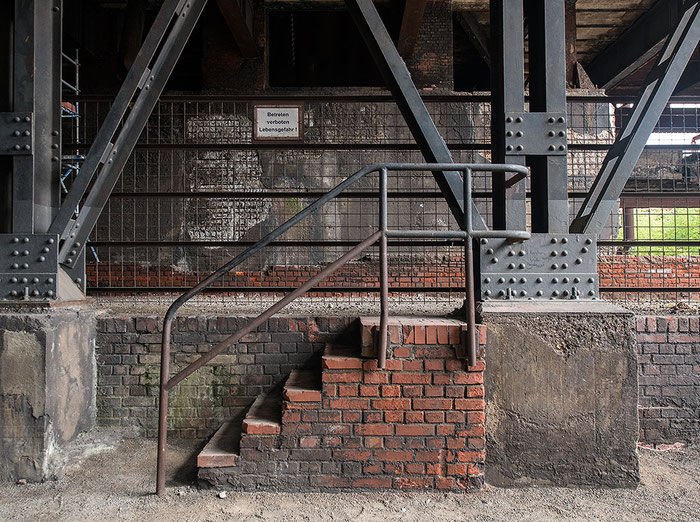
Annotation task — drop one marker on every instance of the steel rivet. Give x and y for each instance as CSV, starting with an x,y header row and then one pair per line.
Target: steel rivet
x,y
35,280
591,280
489,251
50,293
25,265
13,280
538,280
50,241
487,293
565,280
519,134
555,293
484,241
501,280
539,293
509,119
54,158
551,120
35,292
565,252
565,293
45,250
78,280
551,147
72,252
56,9
561,147
591,292
521,266
565,266
15,240
519,148
509,147
562,133
589,241
561,120
518,120
54,146
577,280
26,133
77,244
578,261
16,133
564,240
27,119
16,147
511,253
554,253
15,265
494,260
522,253
16,119
13,293
501,292
550,134
511,266
553,240
25,252
42,259
509,134
15,253
69,260
50,280
512,280
555,280
523,280
523,293
54,133
487,280
27,147
555,266
584,250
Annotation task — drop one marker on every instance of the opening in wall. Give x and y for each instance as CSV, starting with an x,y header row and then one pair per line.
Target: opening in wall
x,y
318,49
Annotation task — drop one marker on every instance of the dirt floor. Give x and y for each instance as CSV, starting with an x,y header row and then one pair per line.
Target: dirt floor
x,y
116,481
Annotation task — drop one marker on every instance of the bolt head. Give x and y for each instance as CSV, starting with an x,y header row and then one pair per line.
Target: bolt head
x,y
13,280
42,259
519,134
69,260
518,120
538,280
50,280
15,240
487,293
509,120
565,280
577,280
565,266
501,280
555,266
487,280
51,241
564,252
553,240
494,260
13,293
519,148
555,293
521,266
50,293
561,119
25,265
15,252
35,292
489,251
511,266
564,240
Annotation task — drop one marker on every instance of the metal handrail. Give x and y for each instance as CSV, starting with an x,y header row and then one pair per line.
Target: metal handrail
x,y
381,235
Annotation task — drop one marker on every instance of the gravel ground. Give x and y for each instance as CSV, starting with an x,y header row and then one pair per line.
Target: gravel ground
x,y
116,482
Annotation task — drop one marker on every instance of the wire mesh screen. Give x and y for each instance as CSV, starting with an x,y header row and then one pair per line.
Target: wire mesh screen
x,y
199,189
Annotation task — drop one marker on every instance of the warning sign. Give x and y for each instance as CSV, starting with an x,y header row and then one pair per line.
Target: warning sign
x,y
278,123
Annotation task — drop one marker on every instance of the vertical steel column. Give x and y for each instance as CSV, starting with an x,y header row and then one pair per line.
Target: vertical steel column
x,y
47,112
398,80
547,52
507,95
23,101
6,52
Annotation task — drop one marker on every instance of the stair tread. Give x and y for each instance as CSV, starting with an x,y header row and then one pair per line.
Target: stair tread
x,y
303,386
223,449
339,357
264,416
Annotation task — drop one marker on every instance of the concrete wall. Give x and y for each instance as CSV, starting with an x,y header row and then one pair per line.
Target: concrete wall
x,y
561,390
47,387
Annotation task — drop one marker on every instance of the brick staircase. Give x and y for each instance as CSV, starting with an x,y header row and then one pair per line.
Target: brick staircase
x,y
418,424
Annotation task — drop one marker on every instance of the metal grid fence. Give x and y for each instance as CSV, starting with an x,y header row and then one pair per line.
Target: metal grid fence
x,y
198,189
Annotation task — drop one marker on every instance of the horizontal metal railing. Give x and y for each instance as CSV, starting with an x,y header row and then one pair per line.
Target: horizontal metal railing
x,y
467,235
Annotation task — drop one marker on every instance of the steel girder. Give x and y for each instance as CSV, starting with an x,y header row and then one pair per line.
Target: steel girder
x,y
118,135
628,147
398,80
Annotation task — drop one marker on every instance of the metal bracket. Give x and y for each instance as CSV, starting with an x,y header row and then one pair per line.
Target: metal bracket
x,y
16,133
28,266
547,266
535,134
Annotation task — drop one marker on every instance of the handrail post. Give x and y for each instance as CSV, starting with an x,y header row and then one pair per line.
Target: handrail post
x,y
383,270
469,303
163,406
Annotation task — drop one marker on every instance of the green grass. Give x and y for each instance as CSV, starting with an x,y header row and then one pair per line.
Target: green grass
x,y
666,224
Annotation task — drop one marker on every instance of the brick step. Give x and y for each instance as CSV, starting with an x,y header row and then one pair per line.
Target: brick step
x,y
340,357
302,386
223,449
264,416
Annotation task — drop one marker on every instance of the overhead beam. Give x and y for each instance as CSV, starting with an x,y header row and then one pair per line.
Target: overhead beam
x,y
410,26
639,44
239,18
398,80
476,34
625,152
571,58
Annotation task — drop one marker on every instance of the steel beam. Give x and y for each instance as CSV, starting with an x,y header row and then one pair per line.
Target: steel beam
x,y
476,34
6,59
625,152
507,95
111,149
639,44
549,183
239,18
411,22
398,80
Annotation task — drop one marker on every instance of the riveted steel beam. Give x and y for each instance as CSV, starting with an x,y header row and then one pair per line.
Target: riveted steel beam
x,y
118,135
628,147
398,80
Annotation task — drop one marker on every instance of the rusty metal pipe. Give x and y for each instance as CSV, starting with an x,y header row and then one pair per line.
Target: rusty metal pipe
x,y
383,270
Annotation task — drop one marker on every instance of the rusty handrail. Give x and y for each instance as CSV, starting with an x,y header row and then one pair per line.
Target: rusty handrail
x,y
381,235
